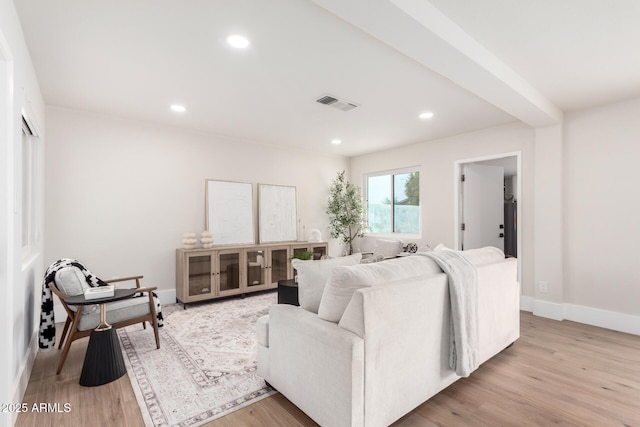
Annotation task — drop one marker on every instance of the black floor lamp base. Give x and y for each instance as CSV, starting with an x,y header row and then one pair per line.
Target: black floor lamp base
x,y
103,361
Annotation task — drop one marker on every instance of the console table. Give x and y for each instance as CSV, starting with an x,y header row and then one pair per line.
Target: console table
x,y
103,361
204,274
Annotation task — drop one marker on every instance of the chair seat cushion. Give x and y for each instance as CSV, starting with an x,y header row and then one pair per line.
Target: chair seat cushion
x,y
117,311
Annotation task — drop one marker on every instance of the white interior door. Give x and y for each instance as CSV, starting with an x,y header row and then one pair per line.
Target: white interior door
x,y
482,206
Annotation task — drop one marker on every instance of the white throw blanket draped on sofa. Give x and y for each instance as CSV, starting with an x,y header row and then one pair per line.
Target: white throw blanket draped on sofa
x,y
463,294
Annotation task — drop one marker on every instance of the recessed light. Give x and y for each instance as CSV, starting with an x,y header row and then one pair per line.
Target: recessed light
x,y
178,108
426,115
336,141
237,41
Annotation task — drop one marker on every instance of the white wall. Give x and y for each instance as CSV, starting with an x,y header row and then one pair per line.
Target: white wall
x,y
581,237
602,207
548,219
120,194
436,159
19,276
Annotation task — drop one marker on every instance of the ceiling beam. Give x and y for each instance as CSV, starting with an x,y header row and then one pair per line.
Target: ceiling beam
x,y
420,31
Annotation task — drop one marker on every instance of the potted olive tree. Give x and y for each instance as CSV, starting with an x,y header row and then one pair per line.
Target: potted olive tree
x,y
345,210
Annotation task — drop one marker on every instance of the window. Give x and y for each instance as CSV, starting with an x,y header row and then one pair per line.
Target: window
x,y
393,201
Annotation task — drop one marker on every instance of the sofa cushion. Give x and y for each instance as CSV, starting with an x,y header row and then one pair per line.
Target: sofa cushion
x,y
312,277
364,244
479,256
387,248
344,281
353,317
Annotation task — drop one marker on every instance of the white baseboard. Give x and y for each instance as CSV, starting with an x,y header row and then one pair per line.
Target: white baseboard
x,y
550,310
605,319
167,296
526,303
578,313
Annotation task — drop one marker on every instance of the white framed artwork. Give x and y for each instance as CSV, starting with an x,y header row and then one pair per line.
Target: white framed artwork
x,y
278,213
229,212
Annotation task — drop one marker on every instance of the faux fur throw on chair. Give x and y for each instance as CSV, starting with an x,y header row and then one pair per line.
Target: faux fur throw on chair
x,y
47,339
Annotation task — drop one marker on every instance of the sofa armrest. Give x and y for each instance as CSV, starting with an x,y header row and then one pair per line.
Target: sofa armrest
x,y
317,365
406,330
499,306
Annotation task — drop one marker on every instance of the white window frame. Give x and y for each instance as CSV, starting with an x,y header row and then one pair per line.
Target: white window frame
x,y
31,187
365,194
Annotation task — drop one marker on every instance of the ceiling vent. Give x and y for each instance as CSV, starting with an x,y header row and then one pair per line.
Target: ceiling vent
x,y
334,102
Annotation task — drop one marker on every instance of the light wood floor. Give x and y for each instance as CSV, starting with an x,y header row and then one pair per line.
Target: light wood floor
x,y
557,373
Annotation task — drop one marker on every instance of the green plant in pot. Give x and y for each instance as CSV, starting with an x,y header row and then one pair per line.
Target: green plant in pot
x,y
303,255
345,210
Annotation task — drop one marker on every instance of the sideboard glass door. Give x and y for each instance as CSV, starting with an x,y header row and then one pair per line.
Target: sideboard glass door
x,y
279,265
229,274
200,275
256,269
319,252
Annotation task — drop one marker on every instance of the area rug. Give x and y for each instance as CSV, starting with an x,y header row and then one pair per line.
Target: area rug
x,y
206,365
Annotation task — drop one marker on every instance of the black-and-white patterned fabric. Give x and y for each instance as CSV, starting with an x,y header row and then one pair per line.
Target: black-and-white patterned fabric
x,y
47,339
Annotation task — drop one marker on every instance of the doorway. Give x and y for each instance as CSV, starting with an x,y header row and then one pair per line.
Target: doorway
x,y
487,211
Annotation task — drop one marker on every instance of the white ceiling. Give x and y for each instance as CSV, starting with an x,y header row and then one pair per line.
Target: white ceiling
x,y
578,53
510,164
474,64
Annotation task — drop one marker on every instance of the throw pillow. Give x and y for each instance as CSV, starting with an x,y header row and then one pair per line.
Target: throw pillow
x,y
312,277
486,255
479,256
387,248
71,281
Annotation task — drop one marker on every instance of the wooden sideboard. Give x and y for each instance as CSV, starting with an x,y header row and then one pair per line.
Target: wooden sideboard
x,y
203,274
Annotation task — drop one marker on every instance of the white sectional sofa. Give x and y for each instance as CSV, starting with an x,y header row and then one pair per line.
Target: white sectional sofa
x,y
385,346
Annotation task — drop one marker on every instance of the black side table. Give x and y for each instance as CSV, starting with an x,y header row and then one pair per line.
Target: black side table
x,y
288,292
103,361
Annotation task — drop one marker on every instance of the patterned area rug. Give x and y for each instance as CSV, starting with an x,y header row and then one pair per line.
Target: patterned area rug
x,y
206,365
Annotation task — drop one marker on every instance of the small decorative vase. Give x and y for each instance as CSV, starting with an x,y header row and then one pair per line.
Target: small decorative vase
x,y
189,240
206,239
315,235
